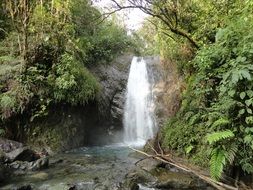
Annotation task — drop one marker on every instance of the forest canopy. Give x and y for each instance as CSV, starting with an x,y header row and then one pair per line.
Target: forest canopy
x,y
46,48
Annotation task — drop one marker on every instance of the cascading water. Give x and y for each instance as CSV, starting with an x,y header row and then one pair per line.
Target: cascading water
x,y
138,112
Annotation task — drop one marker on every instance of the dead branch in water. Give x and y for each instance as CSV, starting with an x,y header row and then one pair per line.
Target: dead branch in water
x,y
164,159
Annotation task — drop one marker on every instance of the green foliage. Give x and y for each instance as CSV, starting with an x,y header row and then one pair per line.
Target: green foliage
x,y
217,162
217,104
218,136
221,156
109,41
45,60
73,83
7,105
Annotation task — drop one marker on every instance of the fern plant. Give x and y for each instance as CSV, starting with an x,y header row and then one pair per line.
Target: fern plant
x,y
217,163
222,152
218,136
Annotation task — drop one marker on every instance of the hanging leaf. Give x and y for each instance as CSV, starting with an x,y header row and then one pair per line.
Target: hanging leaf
x,y
249,110
242,95
249,93
245,74
235,78
241,112
248,102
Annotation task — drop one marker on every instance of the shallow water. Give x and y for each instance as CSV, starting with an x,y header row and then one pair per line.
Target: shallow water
x,y
88,167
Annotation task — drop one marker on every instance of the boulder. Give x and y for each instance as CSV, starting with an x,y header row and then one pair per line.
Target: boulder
x,y
39,164
9,145
149,164
24,187
178,180
22,154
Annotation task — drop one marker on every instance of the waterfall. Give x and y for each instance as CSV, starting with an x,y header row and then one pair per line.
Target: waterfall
x,y
139,107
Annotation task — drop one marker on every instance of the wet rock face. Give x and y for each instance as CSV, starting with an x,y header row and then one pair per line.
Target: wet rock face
x,y
97,123
39,164
113,79
22,154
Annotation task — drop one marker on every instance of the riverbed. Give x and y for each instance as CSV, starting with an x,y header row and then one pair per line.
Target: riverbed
x,y
85,168
111,167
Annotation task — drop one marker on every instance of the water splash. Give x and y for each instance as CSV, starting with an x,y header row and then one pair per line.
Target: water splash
x,y
138,112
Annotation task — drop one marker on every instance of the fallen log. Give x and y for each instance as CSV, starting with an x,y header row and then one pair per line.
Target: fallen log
x,y
164,159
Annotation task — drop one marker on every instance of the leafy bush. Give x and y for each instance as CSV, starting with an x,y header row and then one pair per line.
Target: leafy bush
x,y
72,82
45,63
218,103
7,105
109,41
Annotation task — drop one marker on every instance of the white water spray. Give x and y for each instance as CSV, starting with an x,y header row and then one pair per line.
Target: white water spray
x,y
139,107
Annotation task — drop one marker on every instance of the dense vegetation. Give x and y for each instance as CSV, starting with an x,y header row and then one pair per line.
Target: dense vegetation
x,y
46,48
214,123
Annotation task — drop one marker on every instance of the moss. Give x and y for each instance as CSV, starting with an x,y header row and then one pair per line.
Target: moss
x,y
56,136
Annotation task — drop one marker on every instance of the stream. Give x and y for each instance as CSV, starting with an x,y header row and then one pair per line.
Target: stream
x,y
111,167
103,167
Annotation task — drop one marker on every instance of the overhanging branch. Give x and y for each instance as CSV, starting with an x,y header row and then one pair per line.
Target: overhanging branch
x,y
147,6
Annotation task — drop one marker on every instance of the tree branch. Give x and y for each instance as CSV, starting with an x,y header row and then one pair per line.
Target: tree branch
x,y
164,159
147,6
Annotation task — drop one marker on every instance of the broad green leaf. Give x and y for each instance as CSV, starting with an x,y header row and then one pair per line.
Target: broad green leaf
x,y
242,95
249,120
247,139
248,102
245,74
242,111
235,78
231,93
249,93
249,110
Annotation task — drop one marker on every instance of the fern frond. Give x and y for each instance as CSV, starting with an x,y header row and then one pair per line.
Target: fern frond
x,y
217,136
220,122
231,153
217,163
194,119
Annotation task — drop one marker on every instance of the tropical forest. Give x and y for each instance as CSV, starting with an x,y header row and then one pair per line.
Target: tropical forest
x,y
126,94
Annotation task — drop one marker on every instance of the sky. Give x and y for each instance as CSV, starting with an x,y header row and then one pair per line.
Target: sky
x,y
133,17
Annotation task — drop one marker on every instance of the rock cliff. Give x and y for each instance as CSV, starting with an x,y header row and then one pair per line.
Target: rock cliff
x,y
97,122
